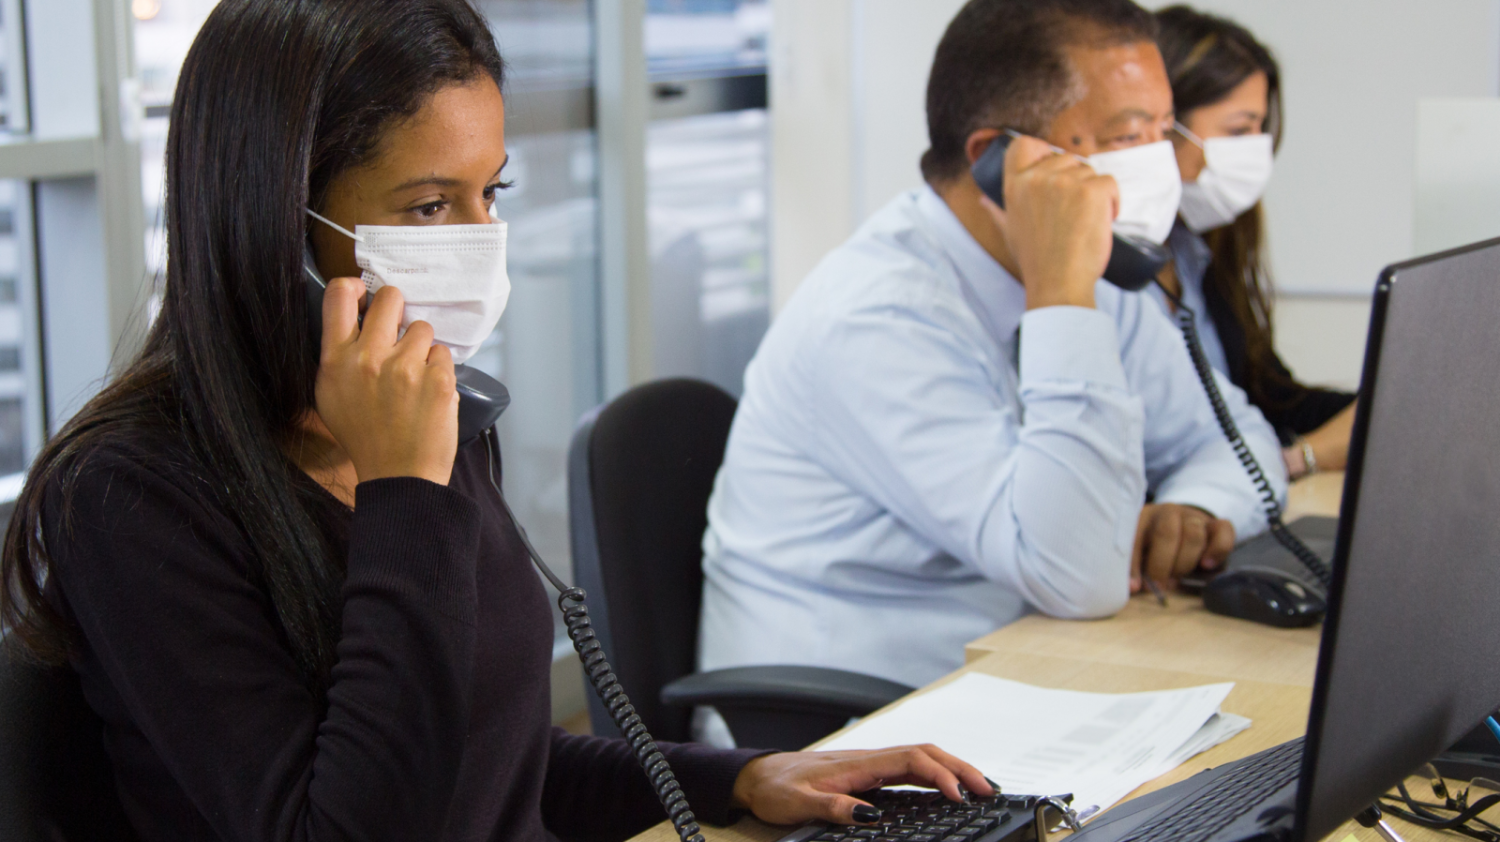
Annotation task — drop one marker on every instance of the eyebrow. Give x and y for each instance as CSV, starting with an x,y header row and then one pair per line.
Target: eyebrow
x,y
439,181
1136,114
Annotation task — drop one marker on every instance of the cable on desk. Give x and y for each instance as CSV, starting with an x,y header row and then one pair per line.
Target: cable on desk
x,y
1466,816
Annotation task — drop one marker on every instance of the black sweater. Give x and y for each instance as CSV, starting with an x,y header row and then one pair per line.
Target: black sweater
x,y
1292,408
437,718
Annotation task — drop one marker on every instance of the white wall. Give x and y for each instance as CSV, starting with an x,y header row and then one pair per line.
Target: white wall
x,y
812,136
1341,205
1458,173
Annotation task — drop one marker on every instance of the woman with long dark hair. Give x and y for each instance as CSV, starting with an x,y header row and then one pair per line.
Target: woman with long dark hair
x,y
296,602
1226,87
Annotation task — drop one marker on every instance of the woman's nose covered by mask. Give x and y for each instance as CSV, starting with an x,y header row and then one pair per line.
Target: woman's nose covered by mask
x,y
452,276
1235,174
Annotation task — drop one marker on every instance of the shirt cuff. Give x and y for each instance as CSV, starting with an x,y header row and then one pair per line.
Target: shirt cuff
x,y
1071,344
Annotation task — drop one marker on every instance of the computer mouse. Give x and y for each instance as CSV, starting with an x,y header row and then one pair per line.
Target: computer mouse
x,y
1262,595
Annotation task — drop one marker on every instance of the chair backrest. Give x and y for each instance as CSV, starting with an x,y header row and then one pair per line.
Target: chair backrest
x,y
56,781
640,470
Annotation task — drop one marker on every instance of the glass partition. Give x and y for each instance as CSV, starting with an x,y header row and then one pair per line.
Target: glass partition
x,y
546,349
22,397
708,174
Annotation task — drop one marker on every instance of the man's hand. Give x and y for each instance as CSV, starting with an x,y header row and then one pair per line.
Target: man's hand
x,y
1172,540
802,786
1056,222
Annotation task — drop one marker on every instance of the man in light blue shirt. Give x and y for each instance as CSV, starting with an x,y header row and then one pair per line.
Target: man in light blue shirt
x,y
953,421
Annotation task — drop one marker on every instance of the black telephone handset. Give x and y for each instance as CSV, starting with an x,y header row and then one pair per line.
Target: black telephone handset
x,y
1133,262
481,398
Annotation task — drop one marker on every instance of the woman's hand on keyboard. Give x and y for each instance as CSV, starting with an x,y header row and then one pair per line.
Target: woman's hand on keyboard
x,y
815,785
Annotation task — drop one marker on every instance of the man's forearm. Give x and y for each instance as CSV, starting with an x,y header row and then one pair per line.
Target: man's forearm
x,y
1078,480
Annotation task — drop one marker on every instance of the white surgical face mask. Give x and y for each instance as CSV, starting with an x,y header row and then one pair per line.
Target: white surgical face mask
x,y
1235,173
452,276
1150,188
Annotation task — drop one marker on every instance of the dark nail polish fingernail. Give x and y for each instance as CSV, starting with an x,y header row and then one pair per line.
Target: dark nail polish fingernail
x,y
865,814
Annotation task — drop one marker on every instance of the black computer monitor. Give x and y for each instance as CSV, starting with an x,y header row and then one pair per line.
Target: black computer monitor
x,y
1415,603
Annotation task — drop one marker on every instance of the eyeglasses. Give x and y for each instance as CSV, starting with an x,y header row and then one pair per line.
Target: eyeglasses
x,y
1458,812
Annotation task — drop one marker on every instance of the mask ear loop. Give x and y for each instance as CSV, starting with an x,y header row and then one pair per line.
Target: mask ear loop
x,y
1187,133
334,225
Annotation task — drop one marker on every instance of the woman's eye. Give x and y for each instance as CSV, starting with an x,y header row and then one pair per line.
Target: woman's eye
x,y
429,210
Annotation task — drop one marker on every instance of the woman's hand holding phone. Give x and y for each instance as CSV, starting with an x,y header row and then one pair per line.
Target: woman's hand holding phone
x,y
390,403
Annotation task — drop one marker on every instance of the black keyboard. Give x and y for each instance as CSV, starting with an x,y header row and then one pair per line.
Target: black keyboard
x,y
1238,792
926,816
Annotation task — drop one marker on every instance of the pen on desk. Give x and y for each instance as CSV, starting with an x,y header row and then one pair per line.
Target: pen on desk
x,y
1151,584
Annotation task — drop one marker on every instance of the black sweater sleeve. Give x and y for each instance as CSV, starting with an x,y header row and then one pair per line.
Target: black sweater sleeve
x,y
595,789
1296,410
167,600
1291,408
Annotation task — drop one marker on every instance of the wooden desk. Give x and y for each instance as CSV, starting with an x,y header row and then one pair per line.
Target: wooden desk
x,y
1182,636
1318,494
1148,647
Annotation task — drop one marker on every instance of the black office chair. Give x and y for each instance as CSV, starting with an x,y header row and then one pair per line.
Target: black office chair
x,y
640,470
56,782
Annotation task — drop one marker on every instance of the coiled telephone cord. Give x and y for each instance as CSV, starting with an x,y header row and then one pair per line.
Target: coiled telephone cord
x,y
1201,366
570,601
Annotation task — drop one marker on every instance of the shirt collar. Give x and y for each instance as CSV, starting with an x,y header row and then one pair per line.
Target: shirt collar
x,y
995,294
1190,254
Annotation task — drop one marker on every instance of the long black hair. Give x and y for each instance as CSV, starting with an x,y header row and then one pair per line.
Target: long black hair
x,y
275,100
1207,57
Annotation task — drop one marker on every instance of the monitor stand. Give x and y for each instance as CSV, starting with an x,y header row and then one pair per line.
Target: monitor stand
x,y
1372,818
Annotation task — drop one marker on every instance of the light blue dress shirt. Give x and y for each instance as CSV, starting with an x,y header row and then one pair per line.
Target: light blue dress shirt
x,y
1190,259
919,460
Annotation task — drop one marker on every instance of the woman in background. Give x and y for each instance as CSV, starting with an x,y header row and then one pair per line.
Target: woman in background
x,y
1227,91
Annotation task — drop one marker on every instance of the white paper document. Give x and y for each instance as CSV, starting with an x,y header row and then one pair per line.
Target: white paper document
x,y
1036,741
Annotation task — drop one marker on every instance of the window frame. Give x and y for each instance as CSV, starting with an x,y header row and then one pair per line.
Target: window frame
x,y
79,136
